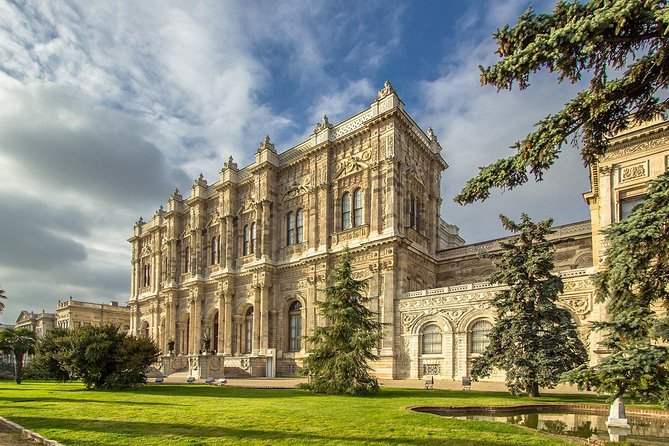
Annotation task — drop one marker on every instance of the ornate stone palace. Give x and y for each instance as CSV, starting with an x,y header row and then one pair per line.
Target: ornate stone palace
x,y
231,272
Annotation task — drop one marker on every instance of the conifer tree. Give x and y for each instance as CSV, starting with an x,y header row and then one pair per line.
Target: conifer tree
x,y
533,340
338,361
621,46
633,283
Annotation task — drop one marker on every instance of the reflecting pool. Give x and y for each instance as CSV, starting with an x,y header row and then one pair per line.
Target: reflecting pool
x,y
575,423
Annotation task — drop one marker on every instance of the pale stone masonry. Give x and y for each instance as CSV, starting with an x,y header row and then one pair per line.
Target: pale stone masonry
x,y
242,260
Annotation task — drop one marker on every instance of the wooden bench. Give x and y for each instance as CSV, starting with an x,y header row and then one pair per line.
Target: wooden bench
x,y
429,383
466,383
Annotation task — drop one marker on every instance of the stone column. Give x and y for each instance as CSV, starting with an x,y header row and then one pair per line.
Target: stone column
x,y
227,345
413,355
264,316
238,321
197,323
255,343
388,306
229,234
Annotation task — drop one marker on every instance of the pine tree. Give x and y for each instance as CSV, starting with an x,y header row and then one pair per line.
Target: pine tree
x,y
338,361
532,339
633,283
620,45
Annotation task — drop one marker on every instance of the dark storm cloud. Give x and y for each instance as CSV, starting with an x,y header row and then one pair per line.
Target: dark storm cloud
x,y
70,144
32,234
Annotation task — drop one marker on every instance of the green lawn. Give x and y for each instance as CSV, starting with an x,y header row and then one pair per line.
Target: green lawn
x,y
209,415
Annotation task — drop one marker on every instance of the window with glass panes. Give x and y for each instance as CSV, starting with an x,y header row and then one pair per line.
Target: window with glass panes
x,y
357,207
346,211
299,226
295,327
290,226
248,330
431,340
479,336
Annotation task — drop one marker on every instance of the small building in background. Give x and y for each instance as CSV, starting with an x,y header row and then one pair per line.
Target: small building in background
x,y
74,313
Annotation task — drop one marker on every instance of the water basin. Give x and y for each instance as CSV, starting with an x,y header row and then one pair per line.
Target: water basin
x,y
588,424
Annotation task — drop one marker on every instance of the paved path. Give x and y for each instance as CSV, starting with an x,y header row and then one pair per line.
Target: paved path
x,y
11,437
289,383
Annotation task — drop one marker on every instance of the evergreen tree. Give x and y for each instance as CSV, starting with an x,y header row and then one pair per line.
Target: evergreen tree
x,y
47,363
633,283
17,341
532,339
338,361
621,45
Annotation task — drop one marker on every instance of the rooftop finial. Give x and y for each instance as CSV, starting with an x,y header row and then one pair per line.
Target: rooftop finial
x,y
385,91
431,135
176,195
230,164
324,124
266,145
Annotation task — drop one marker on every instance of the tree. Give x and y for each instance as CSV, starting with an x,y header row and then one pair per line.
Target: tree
x,y
17,341
338,362
2,296
532,339
621,45
104,358
633,283
48,363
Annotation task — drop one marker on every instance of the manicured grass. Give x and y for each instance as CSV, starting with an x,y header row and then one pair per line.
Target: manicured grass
x,y
209,415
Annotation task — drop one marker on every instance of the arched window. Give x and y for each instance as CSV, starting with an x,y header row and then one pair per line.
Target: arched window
x,y
218,244
431,340
186,258
248,330
214,250
299,226
346,211
357,207
252,247
295,327
245,240
144,332
290,229
479,337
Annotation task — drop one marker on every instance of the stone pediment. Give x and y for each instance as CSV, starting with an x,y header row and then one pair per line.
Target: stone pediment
x,y
24,316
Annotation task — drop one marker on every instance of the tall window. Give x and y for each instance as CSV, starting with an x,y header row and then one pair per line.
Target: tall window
x,y
295,328
479,338
248,330
214,250
346,211
252,247
431,340
299,226
245,240
627,205
290,226
411,208
147,275
218,243
186,259
357,207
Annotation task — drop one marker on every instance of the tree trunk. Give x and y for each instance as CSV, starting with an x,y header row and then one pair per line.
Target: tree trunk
x,y
18,367
533,391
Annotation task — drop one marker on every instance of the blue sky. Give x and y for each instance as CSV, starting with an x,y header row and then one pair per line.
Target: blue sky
x,y
108,106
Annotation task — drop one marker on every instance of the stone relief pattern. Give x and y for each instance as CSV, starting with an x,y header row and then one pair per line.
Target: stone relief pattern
x,y
635,148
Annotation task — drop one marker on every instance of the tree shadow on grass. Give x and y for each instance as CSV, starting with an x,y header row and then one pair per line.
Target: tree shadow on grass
x,y
146,432
77,400
201,390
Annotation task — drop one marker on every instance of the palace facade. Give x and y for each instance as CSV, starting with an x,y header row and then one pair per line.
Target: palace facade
x,y
235,266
